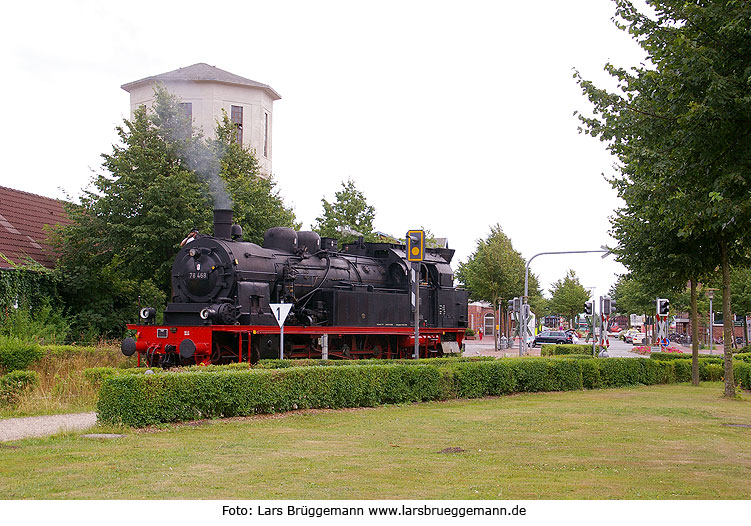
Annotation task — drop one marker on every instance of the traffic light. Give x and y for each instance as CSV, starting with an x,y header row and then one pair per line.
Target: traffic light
x,y
511,305
517,304
612,307
415,245
588,308
663,306
606,305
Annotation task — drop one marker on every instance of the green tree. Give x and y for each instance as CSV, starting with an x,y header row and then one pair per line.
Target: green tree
x,y
679,126
495,272
128,227
347,217
568,297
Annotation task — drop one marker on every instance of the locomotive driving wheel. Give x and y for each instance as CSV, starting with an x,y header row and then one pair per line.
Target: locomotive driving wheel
x,y
222,353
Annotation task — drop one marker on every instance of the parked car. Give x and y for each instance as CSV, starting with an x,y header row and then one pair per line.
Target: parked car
x,y
629,335
638,338
552,337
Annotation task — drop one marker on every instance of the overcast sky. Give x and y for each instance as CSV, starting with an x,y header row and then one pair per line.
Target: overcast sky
x,y
454,116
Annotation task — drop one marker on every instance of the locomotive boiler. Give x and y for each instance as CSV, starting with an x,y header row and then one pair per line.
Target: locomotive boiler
x,y
353,303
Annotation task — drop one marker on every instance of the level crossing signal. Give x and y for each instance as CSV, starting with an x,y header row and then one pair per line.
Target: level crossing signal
x,y
608,305
663,306
588,308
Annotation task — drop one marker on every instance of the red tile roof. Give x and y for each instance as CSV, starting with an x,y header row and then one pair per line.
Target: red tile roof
x,y
22,232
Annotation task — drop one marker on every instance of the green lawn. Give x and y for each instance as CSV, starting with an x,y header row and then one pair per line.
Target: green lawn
x,y
652,442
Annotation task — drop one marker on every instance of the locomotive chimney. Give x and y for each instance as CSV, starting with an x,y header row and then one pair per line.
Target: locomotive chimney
x,y
222,223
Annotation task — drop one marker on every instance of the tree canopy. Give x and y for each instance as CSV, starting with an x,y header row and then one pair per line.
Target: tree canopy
x,y
347,217
568,296
679,125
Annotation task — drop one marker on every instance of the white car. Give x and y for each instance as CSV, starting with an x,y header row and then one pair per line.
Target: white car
x,y
638,338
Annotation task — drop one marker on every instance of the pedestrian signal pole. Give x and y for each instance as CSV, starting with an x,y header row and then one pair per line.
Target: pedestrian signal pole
x,y
415,254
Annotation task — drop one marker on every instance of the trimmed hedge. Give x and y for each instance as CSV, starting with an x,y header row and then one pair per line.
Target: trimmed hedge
x,y
17,354
683,356
552,349
742,373
140,400
746,357
283,364
15,383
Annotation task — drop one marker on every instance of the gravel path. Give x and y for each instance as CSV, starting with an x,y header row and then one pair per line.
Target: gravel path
x,y
39,426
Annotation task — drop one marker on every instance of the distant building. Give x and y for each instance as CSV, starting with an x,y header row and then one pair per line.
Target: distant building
x,y
205,91
482,318
23,236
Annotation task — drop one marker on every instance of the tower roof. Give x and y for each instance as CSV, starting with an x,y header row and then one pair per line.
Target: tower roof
x,y
202,73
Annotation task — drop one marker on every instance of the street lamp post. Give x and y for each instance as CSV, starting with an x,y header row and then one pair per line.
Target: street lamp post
x,y
525,299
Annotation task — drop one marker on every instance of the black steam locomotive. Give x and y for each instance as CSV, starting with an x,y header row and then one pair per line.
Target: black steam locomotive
x,y
353,303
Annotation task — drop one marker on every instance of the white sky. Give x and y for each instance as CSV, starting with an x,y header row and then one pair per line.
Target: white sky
x,y
449,115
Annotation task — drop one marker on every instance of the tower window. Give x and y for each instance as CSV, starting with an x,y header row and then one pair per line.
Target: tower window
x,y
187,108
265,134
237,119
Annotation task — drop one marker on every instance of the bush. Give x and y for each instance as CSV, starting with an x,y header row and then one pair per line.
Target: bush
x,y
551,349
44,323
746,357
16,354
680,356
283,364
742,374
15,383
139,399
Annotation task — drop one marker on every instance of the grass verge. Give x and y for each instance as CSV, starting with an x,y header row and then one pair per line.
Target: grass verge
x,y
650,442
62,386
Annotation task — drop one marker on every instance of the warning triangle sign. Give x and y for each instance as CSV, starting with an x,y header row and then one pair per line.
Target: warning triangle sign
x,y
280,311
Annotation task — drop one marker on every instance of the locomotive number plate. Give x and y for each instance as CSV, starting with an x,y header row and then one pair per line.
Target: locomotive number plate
x,y
198,275
161,333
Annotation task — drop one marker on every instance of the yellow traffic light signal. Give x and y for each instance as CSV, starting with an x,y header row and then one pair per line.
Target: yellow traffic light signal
x,y
415,245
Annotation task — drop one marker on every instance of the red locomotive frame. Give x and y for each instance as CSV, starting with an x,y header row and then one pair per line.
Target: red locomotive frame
x,y
387,342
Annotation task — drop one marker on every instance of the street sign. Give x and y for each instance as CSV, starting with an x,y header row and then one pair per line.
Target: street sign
x,y
280,311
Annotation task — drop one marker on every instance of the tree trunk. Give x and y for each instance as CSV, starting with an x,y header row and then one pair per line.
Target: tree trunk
x,y
694,335
727,333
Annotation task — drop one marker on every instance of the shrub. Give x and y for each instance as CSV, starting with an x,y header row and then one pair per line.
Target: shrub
x,y
683,356
140,400
15,383
203,392
746,357
16,354
742,373
551,349
590,374
486,378
283,364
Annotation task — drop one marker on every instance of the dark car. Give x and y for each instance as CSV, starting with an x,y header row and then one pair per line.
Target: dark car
x,y
552,337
